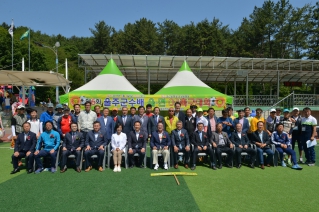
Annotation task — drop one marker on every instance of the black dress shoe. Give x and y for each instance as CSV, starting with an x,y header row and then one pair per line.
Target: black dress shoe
x,y
131,166
220,166
193,168
15,170
239,166
229,166
252,166
214,168
141,166
30,171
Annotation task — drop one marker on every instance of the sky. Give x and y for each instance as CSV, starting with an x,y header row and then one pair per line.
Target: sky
x,y
75,17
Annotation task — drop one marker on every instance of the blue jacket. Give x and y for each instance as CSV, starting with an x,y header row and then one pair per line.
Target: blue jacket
x,y
279,139
155,140
49,140
46,117
245,126
95,144
226,129
108,128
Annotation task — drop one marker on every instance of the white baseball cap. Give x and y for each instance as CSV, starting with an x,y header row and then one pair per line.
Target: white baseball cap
x,y
272,110
295,108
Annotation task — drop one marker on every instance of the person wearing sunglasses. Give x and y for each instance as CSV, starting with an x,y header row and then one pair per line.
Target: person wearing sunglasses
x,y
170,120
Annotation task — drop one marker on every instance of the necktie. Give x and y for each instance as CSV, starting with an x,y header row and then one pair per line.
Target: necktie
x,y
200,136
156,119
124,120
25,137
73,137
179,134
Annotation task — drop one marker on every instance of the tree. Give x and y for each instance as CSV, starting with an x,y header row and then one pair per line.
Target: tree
x,y
101,38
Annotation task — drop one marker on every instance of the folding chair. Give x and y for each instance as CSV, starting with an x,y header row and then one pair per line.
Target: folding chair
x,y
96,156
277,156
72,156
244,153
109,156
179,154
56,162
264,154
200,154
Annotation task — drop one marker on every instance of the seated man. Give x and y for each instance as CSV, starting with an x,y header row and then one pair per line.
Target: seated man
x,y
50,140
24,148
72,145
282,143
136,142
180,143
221,143
262,140
241,142
160,141
201,144
95,142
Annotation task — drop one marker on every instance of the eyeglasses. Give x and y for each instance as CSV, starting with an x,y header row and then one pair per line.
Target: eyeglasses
x,y
258,111
171,111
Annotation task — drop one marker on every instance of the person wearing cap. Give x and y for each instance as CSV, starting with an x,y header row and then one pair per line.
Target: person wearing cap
x,y
143,119
212,121
230,113
282,143
308,132
170,120
271,121
154,120
86,119
256,119
64,122
116,118
295,135
57,115
107,123
17,122
278,114
73,143
193,107
35,123
46,116
201,119
97,110
178,113
226,122
242,120
50,141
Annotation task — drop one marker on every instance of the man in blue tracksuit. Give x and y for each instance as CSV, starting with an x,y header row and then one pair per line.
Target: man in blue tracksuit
x,y
50,140
282,143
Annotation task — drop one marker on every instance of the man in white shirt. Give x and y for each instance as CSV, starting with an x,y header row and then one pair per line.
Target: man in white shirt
x,y
201,119
86,119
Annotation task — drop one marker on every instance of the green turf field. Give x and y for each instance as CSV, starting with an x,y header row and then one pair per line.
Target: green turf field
x,y
272,189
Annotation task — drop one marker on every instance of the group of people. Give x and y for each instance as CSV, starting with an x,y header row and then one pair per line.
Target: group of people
x,y
183,135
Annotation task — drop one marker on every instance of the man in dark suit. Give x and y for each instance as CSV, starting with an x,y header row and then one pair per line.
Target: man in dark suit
x,y
24,148
116,119
95,143
107,124
143,119
178,113
160,143
212,121
127,121
221,143
190,124
136,141
262,141
241,142
73,144
242,120
180,143
201,144
154,120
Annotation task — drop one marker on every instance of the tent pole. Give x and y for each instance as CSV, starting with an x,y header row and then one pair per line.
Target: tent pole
x,y
149,82
85,75
235,87
247,89
23,89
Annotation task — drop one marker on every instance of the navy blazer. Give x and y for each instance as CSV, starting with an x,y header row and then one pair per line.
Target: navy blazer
x,y
256,138
209,128
132,142
196,139
78,141
28,145
128,126
101,139
109,128
181,117
153,125
118,120
245,126
239,141
155,140
177,140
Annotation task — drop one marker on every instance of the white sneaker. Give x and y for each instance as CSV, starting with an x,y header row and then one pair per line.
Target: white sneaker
x,y
165,166
115,169
119,169
156,167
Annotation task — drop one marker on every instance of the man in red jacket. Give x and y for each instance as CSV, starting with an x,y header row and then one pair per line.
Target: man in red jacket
x,y
64,122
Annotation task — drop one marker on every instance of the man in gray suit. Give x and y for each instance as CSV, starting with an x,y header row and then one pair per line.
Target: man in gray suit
x,y
127,121
143,119
180,143
154,120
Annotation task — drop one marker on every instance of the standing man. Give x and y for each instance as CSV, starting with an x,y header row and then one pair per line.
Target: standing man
x,y
127,121
282,142
116,118
154,120
24,148
97,110
278,115
241,142
132,111
136,142
230,113
190,124
201,119
193,107
248,114
178,113
295,135
35,123
226,122
262,140
16,123
170,121
212,121
242,120
50,140
64,122
46,116
180,143
95,143
256,119
107,124
143,119
160,143
57,115
308,132
86,119
149,110
77,111
271,122
73,144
